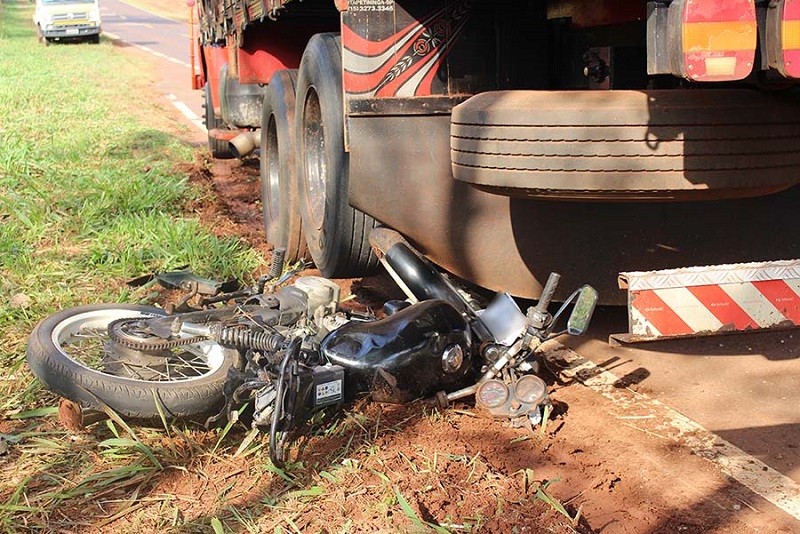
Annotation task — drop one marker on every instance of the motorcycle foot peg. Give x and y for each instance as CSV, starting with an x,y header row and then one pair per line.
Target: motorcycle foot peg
x,y
440,400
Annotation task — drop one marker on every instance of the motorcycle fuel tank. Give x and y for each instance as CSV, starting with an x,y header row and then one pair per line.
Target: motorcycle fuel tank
x,y
412,354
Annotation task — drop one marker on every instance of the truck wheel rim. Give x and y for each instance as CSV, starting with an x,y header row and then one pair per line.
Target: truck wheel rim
x,y
273,170
314,150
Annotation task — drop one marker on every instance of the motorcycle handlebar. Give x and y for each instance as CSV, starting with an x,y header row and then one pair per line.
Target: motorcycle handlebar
x,y
547,292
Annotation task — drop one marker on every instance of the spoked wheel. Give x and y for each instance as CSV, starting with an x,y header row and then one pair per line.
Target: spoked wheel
x,y
279,198
135,373
336,233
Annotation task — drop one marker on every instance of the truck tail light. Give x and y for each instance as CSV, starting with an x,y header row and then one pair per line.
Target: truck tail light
x,y
783,37
713,40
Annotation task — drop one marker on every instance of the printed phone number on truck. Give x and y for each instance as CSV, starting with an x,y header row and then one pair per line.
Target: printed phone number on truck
x,y
370,5
372,8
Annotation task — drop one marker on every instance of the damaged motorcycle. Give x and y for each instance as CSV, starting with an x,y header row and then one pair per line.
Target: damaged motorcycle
x,y
291,352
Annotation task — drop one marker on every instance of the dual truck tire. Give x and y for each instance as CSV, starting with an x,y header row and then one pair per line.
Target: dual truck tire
x,y
304,167
219,148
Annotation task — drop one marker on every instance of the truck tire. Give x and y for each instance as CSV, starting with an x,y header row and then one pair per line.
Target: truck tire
x,y
336,233
69,353
219,148
279,197
620,145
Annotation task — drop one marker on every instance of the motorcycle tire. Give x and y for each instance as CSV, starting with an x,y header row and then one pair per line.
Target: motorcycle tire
x,y
57,355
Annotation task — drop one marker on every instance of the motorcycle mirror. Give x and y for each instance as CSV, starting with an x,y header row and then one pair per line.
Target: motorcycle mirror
x,y
582,312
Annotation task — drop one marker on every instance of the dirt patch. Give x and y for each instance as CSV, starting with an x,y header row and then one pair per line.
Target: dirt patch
x,y
381,468
229,199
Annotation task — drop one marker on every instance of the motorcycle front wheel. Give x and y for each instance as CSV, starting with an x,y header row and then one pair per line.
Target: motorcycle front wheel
x,y
72,354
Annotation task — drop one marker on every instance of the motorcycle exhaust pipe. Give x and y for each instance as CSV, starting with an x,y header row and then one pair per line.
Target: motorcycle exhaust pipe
x,y
244,143
418,279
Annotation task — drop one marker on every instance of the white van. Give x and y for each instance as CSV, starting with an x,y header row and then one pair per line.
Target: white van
x,y
67,19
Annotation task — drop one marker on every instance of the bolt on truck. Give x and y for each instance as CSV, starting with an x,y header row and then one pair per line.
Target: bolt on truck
x,y
507,139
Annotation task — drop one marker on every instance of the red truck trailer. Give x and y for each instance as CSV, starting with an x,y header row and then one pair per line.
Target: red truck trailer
x,y
510,138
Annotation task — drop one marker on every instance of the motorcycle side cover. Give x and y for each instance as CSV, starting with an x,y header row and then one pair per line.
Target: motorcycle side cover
x,y
406,356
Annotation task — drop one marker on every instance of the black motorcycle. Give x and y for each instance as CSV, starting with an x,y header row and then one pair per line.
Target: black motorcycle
x,y
293,351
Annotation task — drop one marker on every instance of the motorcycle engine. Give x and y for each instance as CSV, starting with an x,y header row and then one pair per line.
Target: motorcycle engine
x,y
309,382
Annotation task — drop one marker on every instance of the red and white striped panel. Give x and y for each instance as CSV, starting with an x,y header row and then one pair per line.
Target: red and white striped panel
x,y
715,299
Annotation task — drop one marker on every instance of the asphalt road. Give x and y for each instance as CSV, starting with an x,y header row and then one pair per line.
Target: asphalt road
x,y
743,388
167,41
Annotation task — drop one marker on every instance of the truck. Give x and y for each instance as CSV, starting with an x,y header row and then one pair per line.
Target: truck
x,y
506,139
61,20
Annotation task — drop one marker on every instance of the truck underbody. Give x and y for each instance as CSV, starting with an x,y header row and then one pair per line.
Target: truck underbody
x,y
508,139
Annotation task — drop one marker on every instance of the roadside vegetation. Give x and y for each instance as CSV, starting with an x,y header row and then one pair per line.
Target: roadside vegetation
x,y
92,194
89,192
